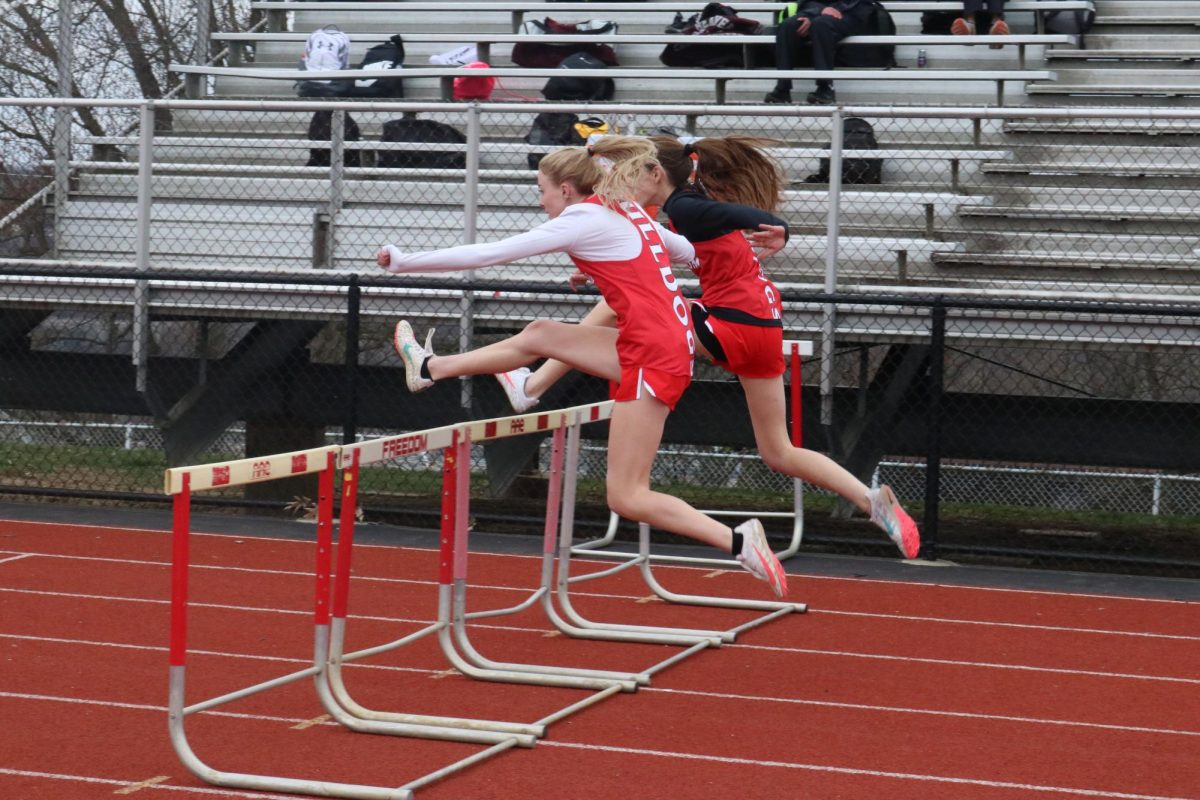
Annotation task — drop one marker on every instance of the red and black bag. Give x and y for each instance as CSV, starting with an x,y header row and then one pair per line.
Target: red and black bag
x,y
539,54
716,19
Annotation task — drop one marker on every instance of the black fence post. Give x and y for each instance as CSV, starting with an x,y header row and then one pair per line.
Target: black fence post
x,y
350,381
933,458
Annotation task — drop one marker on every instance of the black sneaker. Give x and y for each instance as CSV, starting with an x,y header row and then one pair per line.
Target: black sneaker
x,y
777,97
677,26
823,96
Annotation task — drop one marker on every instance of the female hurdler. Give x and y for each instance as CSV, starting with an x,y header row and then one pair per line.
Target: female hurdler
x,y
595,220
738,321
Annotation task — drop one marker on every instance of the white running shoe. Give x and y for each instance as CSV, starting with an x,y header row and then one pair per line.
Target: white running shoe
x,y
456,57
758,559
513,383
887,513
414,355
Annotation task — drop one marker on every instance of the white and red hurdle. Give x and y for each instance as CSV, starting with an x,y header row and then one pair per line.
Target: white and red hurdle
x,y
331,597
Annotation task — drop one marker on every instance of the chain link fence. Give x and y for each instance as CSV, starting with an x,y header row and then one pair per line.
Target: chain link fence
x,y
1006,324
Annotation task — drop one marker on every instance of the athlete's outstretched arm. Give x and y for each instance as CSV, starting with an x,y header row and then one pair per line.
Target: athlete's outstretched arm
x,y
554,236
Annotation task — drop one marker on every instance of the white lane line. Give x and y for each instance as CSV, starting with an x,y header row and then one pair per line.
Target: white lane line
x,y
59,776
540,631
801,575
602,595
909,776
981,664
1018,625
703,757
17,557
928,711
214,653
651,689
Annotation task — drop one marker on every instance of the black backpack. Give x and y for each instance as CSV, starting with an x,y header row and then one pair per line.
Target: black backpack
x,y
320,129
871,56
567,88
552,128
411,129
385,55
857,134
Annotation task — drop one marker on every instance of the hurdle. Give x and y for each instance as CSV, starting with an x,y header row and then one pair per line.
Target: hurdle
x,y
793,349
181,482
451,627
331,598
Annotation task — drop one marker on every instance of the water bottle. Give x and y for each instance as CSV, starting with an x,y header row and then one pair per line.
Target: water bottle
x,y
922,60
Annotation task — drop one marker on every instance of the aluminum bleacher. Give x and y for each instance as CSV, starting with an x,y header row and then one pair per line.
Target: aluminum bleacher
x,y
962,201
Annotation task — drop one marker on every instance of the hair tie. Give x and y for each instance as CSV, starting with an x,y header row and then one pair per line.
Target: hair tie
x,y
688,150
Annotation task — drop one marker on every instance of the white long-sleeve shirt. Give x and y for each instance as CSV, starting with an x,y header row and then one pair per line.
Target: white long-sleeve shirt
x,y
585,230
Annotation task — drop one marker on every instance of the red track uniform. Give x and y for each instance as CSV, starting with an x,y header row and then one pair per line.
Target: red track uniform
x,y
655,344
739,317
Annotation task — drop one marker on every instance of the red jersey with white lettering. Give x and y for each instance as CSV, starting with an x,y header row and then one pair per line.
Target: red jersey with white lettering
x,y
731,277
653,322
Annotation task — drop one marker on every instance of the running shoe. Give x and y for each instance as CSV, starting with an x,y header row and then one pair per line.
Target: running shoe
x,y
999,28
758,559
962,27
460,56
513,383
413,354
887,513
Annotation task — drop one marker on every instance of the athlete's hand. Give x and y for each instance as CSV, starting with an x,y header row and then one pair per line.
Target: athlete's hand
x,y
578,280
389,257
767,240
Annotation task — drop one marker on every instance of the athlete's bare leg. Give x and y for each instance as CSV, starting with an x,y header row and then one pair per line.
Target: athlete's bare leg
x,y
591,349
633,438
768,416
553,370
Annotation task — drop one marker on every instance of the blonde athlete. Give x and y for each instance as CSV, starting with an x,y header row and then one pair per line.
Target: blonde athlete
x,y
738,320
595,220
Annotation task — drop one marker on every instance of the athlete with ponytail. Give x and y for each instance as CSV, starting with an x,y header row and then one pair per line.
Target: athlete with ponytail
x,y
711,191
595,219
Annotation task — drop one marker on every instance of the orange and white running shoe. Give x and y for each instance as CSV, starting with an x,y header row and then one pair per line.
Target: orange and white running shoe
x,y
999,28
887,513
758,558
513,383
962,27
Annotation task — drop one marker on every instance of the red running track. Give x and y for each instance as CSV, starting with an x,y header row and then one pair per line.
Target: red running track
x,y
905,691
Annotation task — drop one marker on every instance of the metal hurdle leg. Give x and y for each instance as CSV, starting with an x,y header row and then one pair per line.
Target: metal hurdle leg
x,y
452,587
425,730
178,483
553,501
642,559
647,633
337,656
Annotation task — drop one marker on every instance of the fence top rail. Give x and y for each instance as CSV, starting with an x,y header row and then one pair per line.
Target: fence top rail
x,y
259,469
894,6
22,273
647,38
373,451
1022,113
273,73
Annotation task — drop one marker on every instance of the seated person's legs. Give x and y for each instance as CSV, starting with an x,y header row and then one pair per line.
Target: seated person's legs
x,y
789,39
826,33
